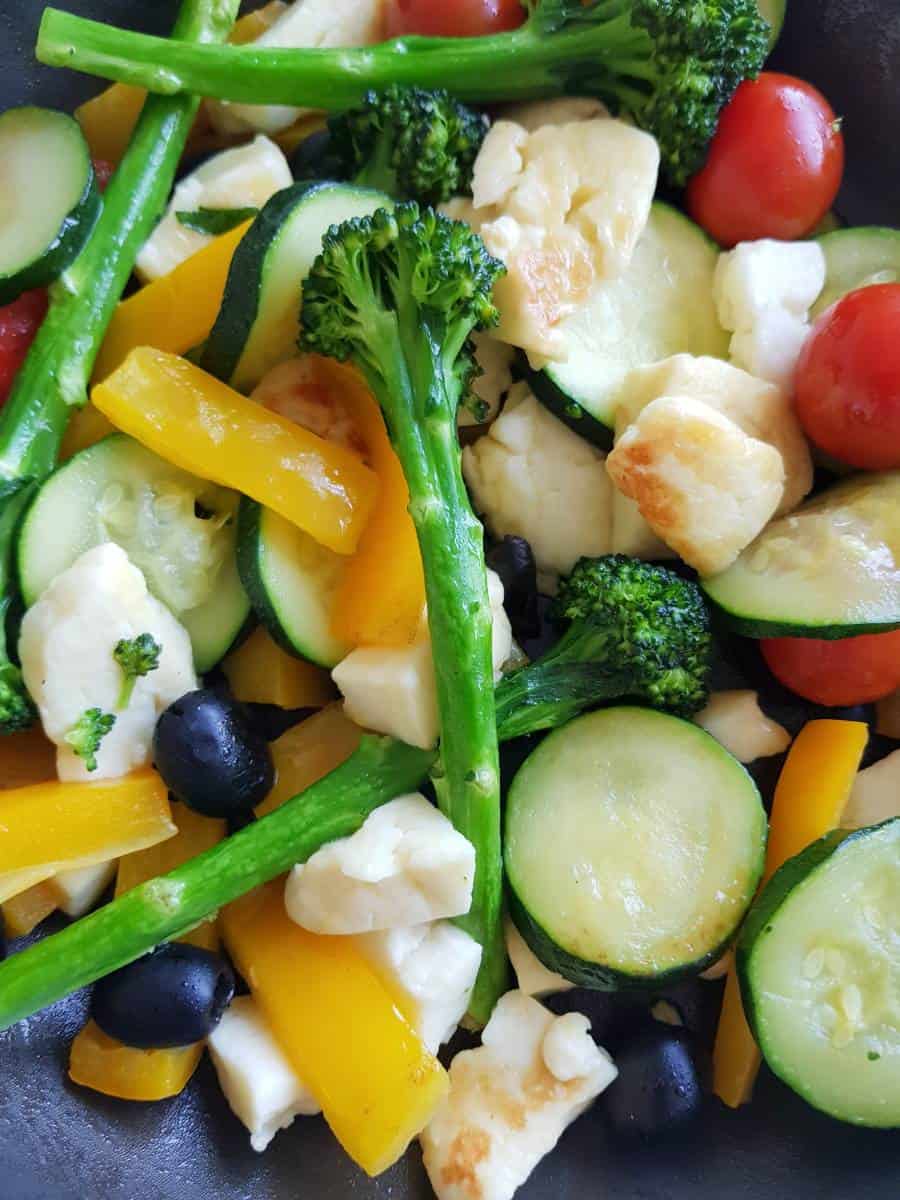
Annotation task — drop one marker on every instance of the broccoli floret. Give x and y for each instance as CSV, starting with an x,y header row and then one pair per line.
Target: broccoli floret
x,y
634,630
399,294
410,143
137,656
16,709
87,733
670,64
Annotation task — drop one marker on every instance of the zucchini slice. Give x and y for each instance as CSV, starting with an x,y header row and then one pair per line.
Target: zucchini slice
x,y
50,201
178,529
633,846
819,965
661,305
773,11
291,581
259,320
857,258
829,570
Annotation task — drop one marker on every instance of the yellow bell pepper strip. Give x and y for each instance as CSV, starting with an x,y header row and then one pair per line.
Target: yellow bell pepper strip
x,y
308,752
812,791
201,425
127,1072
260,672
86,427
56,826
374,606
344,1032
24,912
174,312
26,757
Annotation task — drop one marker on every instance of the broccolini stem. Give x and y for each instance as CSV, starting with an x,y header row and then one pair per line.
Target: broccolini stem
x,y
170,905
56,372
545,696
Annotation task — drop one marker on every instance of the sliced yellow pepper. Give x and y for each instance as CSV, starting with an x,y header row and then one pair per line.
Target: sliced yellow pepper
x,y
174,312
374,606
50,827
345,1033
23,912
104,1064
811,795
86,427
308,752
25,758
260,672
203,426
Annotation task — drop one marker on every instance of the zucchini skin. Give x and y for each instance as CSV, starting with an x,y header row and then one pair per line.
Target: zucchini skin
x,y
753,627
248,545
569,411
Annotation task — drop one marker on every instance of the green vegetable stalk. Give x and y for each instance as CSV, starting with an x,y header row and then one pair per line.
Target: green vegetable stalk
x,y
670,64
169,906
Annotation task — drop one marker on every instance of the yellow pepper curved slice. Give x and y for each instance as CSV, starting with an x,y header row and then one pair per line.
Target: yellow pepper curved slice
x,y
308,752
812,792
50,827
260,672
24,912
26,758
344,1032
205,427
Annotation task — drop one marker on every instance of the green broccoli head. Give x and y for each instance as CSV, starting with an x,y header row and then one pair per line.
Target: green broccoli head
x,y
137,657
406,141
87,733
16,709
405,284
641,622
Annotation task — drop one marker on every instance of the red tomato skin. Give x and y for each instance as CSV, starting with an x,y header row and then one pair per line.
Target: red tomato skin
x,y
774,166
849,671
103,172
452,18
847,383
19,322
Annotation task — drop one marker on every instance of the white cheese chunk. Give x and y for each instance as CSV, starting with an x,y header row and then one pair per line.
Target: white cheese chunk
x,y
511,1099
876,794
78,890
66,646
436,965
243,177
763,293
256,1078
561,110
703,485
494,358
532,477
405,866
736,721
533,978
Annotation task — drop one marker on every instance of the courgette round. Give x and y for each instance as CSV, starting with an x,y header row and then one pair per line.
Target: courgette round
x,y
857,258
633,846
819,966
50,201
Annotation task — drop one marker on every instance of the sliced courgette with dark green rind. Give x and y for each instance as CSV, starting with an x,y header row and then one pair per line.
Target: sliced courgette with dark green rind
x,y
829,570
180,531
857,258
773,11
291,581
819,965
661,305
50,198
258,322
633,846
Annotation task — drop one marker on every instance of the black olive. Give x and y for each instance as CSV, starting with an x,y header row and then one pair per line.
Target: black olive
x,y
171,997
210,756
315,159
270,721
513,561
658,1090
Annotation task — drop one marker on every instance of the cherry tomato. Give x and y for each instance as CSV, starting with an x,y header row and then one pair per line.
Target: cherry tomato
x,y
850,671
19,322
774,166
103,171
452,18
847,383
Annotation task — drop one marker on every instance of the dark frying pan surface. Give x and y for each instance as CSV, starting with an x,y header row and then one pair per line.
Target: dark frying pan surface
x,y
59,1142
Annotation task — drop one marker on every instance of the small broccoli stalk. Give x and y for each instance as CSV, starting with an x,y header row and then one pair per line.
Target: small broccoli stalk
x,y
16,708
87,733
669,64
634,630
137,657
398,295
410,143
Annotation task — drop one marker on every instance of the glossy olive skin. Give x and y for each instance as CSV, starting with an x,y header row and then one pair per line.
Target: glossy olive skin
x,y
210,756
513,561
172,997
657,1093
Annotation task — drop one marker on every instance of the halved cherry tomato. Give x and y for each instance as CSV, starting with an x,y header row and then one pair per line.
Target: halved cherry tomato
x,y
847,384
452,18
19,322
774,166
850,671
